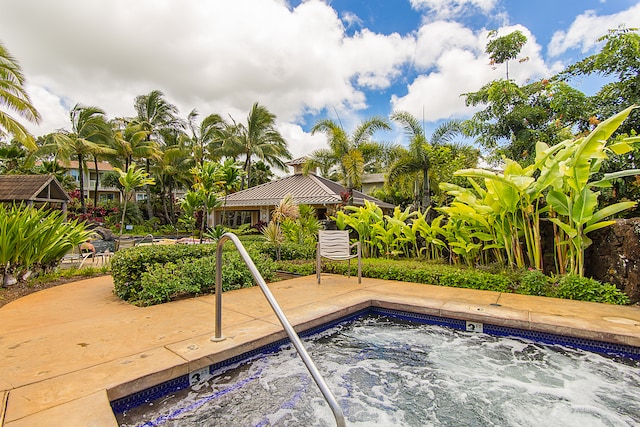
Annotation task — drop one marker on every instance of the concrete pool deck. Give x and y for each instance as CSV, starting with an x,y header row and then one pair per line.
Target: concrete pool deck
x,y
67,351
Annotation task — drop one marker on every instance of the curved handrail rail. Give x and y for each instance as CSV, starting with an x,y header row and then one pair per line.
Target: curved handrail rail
x,y
145,238
293,336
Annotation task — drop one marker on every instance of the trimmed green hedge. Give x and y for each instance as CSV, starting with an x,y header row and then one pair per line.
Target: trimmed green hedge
x,y
150,275
289,251
408,271
527,283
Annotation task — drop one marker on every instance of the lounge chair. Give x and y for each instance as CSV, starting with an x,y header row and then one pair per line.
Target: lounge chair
x,y
334,245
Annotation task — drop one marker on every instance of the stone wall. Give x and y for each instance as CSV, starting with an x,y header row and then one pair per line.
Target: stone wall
x,y
614,256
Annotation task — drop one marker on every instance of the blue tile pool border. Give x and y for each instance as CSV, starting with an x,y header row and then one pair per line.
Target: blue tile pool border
x,y
620,350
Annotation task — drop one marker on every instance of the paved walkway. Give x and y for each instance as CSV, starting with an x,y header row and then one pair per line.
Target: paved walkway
x,y
65,352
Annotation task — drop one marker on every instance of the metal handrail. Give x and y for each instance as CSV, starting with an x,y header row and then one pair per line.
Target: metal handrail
x,y
145,238
293,336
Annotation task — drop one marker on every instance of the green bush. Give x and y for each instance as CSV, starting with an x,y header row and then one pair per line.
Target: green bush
x,y
408,271
534,282
587,289
129,266
290,251
531,282
164,282
302,267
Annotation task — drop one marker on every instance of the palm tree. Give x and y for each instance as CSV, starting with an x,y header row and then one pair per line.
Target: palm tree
x,y
90,133
54,168
351,154
172,168
416,161
260,173
207,178
130,180
208,136
230,177
154,113
14,97
129,144
258,138
15,159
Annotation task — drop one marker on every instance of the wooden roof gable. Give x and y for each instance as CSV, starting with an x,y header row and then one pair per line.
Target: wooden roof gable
x,y
34,188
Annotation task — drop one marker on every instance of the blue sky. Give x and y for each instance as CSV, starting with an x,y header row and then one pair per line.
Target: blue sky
x,y
303,60
543,18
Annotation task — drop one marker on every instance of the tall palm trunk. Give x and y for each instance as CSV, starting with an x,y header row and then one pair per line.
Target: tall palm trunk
x,y
164,201
426,190
172,211
148,191
95,194
81,178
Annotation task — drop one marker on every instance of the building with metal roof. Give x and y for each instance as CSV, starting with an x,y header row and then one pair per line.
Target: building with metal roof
x,y
324,195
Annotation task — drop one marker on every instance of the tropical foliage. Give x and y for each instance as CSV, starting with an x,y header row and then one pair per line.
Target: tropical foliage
x,y
504,214
35,240
426,163
14,97
348,156
129,181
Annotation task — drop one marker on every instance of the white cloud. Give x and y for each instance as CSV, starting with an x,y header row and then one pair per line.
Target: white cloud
x,y
376,58
300,142
436,38
351,19
461,66
444,9
215,56
588,27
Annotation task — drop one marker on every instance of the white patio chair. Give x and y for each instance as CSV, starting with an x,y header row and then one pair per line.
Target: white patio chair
x,y
334,245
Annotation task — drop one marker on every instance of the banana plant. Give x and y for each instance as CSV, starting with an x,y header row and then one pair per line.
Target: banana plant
x,y
574,199
430,233
361,219
399,225
559,184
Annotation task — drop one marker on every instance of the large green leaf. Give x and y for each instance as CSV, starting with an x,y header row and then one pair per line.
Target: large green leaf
x,y
598,225
614,175
584,206
610,210
592,147
565,227
559,202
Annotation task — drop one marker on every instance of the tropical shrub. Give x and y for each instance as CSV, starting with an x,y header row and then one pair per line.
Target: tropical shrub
x,y
587,289
361,219
534,282
35,239
289,251
409,271
172,264
165,282
530,282
503,214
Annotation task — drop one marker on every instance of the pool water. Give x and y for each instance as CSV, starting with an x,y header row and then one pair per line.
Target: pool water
x,y
389,372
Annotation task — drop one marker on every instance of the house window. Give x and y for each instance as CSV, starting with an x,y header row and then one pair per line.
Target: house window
x,y
75,174
108,197
140,197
